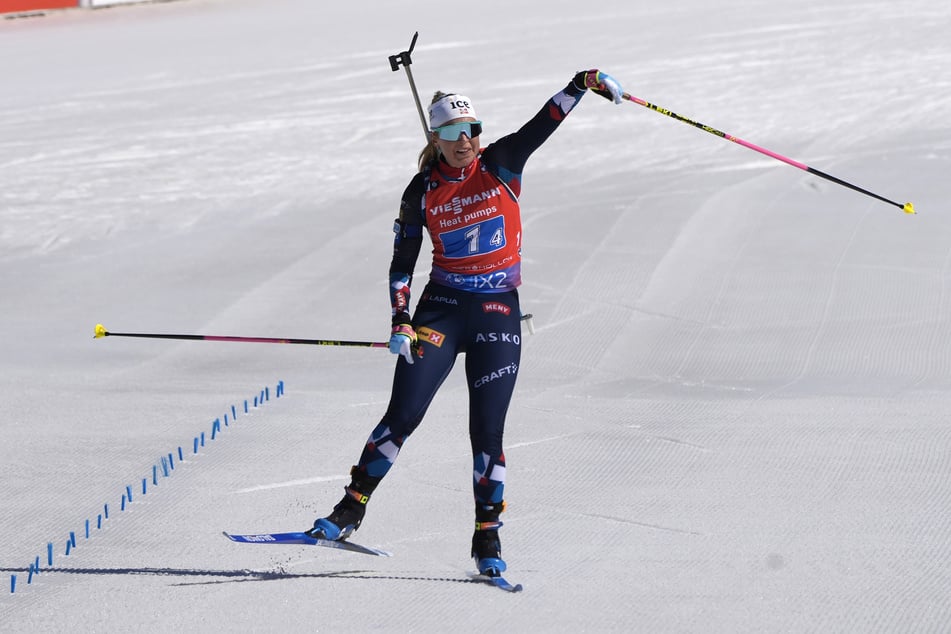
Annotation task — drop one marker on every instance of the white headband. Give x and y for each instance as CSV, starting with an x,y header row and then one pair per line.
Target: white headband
x,y
448,108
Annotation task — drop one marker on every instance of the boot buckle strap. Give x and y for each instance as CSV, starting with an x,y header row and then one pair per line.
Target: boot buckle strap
x,y
356,495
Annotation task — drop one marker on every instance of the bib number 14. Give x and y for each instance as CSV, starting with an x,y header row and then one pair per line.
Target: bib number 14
x,y
478,239
496,240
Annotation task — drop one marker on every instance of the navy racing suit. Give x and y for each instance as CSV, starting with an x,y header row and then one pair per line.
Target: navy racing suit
x,y
470,304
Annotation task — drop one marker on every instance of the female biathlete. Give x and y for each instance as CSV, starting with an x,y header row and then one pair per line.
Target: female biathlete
x,y
467,200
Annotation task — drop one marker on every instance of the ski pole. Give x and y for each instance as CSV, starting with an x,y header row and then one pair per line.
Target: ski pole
x,y
404,59
102,332
908,208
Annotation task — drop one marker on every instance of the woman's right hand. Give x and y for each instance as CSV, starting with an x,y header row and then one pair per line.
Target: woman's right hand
x,y
402,340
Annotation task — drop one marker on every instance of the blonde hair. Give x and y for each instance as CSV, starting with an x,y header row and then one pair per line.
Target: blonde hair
x,y
430,154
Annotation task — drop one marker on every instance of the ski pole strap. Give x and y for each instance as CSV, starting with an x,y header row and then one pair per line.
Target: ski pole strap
x,y
405,329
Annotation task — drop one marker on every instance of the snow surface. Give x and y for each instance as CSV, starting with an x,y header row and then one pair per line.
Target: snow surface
x,y
733,416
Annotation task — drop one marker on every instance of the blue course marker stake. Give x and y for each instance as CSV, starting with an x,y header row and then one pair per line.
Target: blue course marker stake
x,y
128,491
72,538
87,529
234,414
122,508
13,584
68,546
29,578
267,393
180,456
49,553
105,511
226,420
36,565
202,439
165,465
99,522
154,475
255,402
196,445
245,406
143,486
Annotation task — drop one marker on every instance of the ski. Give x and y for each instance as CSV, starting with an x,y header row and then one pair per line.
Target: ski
x,y
501,583
305,539
498,581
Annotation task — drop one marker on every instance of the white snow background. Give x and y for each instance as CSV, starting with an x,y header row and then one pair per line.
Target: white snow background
x,y
734,414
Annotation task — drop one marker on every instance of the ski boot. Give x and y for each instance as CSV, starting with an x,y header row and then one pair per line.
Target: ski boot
x,y
486,547
349,511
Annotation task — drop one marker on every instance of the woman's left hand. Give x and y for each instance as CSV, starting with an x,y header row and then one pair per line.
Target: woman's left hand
x,y
600,83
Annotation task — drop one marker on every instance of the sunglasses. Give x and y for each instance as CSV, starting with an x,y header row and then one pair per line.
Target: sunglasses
x,y
453,131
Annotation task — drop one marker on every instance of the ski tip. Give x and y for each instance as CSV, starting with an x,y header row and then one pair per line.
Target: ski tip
x,y
102,332
909,208
501,583
496,580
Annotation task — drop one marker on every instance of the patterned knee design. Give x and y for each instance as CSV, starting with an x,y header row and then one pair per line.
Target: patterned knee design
x,y
380,451
488,478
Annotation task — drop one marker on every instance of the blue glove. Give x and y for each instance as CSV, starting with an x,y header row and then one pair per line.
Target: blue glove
x,y
402,340
600,83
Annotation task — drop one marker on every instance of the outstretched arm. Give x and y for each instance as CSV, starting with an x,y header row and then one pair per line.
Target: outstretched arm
x,y
509,154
